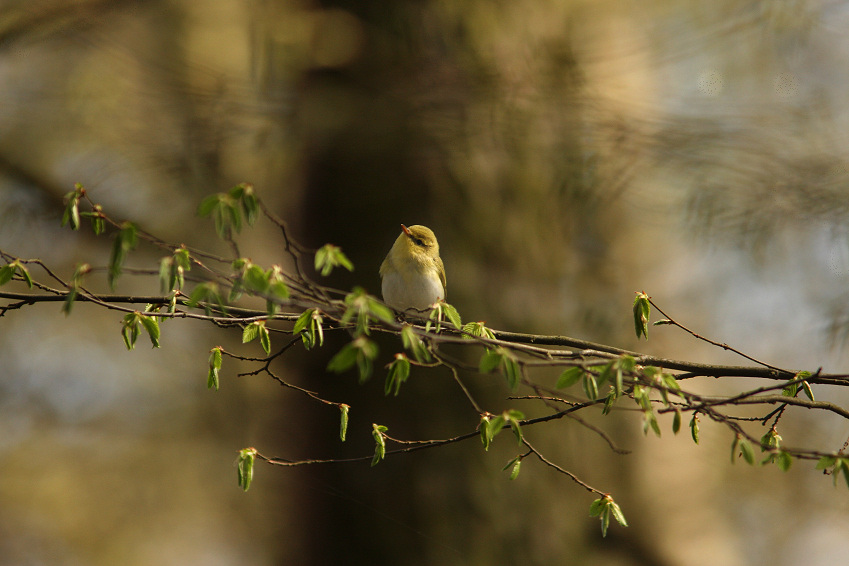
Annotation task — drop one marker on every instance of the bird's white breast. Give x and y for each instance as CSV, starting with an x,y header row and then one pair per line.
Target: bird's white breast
x,y
418,292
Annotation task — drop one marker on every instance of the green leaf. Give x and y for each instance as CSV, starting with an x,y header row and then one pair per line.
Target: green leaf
x,y
365,309
344,359
130,329
309,325
516,463
452,315
76,282
25,274
6,273
747,451
126,240
264,339
606,372
361,351
784,460
212,381
98,220
494,426
596,507
809,393
71,215
650,422
68,303
172,270
617,513
378,433
151,325
209,204
490,360
483,428
676,421
826,462
844,463
247,457
642,308
512,371
771,440
513,417
603,508
251,332
570,377
343,424
694,428
224,209
328,257
609,401
206,295
590,386
504,360
414,344
303,321
244,192
792,387
399,371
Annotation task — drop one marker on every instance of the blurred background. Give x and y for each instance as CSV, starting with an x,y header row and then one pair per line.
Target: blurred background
x,y
566,153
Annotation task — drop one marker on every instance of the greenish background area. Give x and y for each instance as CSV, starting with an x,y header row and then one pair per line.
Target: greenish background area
x,y
566,154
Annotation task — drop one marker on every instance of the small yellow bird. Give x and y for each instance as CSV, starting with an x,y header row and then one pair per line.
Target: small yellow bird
x,y
412,273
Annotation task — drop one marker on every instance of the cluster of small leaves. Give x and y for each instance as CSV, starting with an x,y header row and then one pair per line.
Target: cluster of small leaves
x,y
268,283
604,508
477,329
506,362
207,295
16,266
835,465
74,288
792,387
662,382
742,447
257,329
172,270
491,425
329,257
642,308
245,466
360,352
212,379
131,328
439,314
71,215
415,345
379,434
226,209
399,371
309,326
771,443
364,310
595,376
515,466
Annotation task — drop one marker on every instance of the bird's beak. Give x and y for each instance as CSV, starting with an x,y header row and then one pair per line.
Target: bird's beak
x,y
406,230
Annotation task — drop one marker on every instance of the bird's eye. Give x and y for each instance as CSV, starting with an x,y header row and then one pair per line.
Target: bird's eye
x,y
419,242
